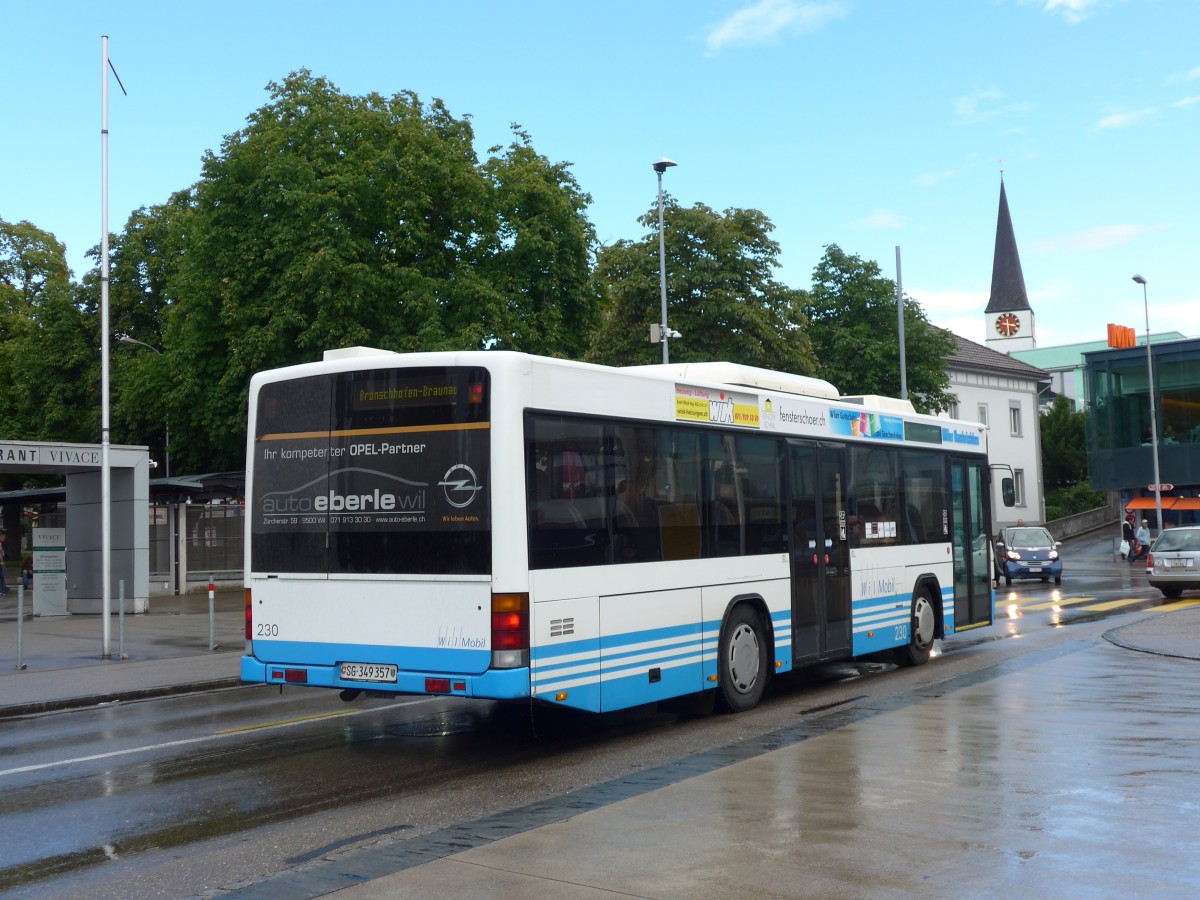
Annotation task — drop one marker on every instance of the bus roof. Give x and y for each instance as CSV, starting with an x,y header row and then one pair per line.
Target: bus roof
x,y
744,376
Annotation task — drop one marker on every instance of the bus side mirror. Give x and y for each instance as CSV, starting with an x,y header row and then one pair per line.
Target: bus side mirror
x,y
1008,492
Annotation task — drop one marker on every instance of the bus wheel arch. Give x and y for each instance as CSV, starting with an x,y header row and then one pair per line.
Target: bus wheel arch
x,y
745,654
925,624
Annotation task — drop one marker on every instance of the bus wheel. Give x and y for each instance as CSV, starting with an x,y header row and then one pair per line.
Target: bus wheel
x,y
921,631
743,660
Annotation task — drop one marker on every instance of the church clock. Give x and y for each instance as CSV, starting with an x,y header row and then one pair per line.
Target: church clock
x,y
1007,325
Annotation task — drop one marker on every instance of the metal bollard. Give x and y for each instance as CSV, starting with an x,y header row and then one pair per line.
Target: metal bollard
x,y
212,615
121,621
20,625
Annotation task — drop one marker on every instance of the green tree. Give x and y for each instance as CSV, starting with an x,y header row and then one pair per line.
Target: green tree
x,y
1064,445
541,264
852,322
333,220
49,344
144,263
721,294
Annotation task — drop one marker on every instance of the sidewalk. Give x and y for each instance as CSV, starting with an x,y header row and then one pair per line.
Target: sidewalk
x,y
167,652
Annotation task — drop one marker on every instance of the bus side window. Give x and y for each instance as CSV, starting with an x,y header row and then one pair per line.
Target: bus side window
x,y
568,522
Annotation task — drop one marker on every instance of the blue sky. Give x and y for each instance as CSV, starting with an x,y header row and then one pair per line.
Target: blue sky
x,y
870,124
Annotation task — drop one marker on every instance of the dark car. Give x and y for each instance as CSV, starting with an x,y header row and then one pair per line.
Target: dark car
x,y
1027,551
1173,565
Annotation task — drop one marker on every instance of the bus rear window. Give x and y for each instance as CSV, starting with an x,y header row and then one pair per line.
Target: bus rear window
x,y
377,472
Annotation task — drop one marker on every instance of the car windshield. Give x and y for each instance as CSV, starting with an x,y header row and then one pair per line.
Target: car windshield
x,y
1178,539
1028,538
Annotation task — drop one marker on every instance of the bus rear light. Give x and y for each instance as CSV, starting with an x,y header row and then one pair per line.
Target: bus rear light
x,y
437,685
249,616
507,621
509,640
510,631
295,676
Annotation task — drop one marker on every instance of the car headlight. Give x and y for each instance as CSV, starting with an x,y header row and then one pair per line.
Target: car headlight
x,y
1054,554
1013,554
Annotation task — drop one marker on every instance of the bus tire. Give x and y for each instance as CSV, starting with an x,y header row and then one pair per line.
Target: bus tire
x,y
742,660
921,632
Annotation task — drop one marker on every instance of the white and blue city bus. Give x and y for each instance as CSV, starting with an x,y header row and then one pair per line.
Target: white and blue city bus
x,y
498,525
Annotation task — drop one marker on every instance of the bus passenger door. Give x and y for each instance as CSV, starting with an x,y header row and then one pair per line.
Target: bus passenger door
x,y
972,572
820,552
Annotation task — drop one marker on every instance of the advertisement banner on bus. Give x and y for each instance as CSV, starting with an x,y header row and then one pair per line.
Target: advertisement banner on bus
x,y
961,436
848,422
428,480
716,407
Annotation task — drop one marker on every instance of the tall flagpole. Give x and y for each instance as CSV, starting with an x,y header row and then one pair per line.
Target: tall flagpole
x,y
105,466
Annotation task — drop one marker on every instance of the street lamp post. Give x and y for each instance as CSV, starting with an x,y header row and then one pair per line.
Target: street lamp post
x,y
1153,415
126,339
664,334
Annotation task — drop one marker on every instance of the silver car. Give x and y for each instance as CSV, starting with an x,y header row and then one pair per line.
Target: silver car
x,y
1173,565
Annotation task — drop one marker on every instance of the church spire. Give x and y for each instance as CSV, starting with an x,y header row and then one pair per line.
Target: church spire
x,y
1008,282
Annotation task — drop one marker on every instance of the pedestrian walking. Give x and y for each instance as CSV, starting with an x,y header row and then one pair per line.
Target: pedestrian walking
x,y
1127,536
1142,537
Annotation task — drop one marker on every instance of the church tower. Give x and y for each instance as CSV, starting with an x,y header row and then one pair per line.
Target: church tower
x,y
1008,320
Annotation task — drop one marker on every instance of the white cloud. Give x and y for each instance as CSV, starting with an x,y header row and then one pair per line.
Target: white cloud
x,y
1125,119
767,20
1186,101
1074,11
881,218
980,106
1189,75
1100,238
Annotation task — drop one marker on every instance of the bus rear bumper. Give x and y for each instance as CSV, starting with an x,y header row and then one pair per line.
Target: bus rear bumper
x,y
494,684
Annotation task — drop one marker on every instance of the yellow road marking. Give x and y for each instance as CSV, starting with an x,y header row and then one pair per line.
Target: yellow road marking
x,y
1179,604
1117,604
1088,603
1053,604
276,724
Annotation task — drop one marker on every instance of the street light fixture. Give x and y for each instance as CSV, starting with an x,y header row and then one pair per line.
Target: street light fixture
x,y
665,333
126,339
1153,415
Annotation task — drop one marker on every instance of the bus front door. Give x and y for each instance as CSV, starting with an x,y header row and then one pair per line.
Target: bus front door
x,y
972,564
820,552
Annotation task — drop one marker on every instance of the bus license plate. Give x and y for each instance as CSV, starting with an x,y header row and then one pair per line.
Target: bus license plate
x,y
368,672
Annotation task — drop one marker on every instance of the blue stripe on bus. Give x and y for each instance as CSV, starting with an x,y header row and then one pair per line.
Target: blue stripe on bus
x,y
654,634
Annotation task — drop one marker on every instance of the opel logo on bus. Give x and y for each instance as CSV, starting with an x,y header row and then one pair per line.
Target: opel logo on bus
x,y
460,485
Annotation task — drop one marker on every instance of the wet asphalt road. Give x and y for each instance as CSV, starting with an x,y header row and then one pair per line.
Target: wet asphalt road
x,y
178,797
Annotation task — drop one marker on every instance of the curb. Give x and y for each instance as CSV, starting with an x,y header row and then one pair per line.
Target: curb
x,y
1113,637
65,703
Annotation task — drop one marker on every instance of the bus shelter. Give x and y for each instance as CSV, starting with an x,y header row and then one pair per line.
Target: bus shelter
x,y
129,494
